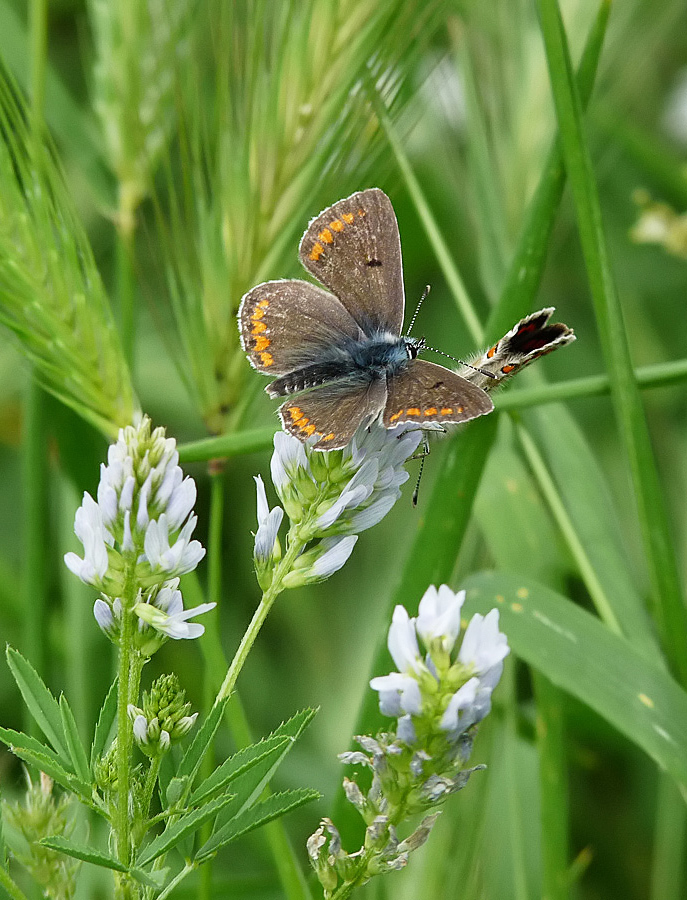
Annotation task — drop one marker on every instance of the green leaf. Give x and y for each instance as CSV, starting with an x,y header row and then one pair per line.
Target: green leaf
x,y
77,752
610,578
275,806
18,740
236,765
84,852
181,828
41,703
248,786
58,773
106,718
583,657
203,738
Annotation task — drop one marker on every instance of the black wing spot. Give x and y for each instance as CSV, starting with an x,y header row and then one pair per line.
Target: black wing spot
x,y
373,263
437,384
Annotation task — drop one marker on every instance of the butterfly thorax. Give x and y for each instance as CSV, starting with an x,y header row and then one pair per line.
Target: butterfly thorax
x,y
381,355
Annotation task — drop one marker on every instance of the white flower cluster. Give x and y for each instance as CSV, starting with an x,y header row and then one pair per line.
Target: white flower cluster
x,y
427,686
137,537
438,700
330,497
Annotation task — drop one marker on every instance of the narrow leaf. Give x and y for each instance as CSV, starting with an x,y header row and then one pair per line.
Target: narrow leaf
x,y
202,740
41,703
181,828
106,717
248,786
59,774
236,765
275,806
583,657
84,852
17,740
77,751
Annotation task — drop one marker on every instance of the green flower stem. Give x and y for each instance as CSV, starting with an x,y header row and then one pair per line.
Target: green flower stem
x,y
178,878
130,667
10,887
295,546
148,788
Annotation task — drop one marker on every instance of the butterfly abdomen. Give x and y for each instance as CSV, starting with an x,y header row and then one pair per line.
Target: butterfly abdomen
x,y
360,362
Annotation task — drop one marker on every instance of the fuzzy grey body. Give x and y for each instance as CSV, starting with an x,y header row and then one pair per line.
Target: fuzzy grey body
x,y
350,363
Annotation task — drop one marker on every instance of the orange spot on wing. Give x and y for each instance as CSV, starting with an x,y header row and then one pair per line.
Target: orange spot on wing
x,y
329,437
316,252
348,218
257,314
295,412
491,352
326,236
266,359
396,416
309,429
337,225
261,343
263,304
460,409
413,411
432,411
258,328
507,369
446,410
361,213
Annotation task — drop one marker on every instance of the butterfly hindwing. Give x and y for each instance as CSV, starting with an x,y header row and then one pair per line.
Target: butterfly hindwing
x,y
285,324
354,249
332,413
426,393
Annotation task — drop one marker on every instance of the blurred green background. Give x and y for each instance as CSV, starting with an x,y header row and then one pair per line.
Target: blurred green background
x,y
468,93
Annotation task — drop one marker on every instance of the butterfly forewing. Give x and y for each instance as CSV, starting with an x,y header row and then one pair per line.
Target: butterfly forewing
x,y
354,249
332,413
285,324
429,394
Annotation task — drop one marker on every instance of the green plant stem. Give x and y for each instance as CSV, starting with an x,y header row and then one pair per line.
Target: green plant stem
x,y
265,605
178,878
548,488
213,632
149,786
35,478
658,375
668,868
553,788
130,666
667,602
125,277
429,222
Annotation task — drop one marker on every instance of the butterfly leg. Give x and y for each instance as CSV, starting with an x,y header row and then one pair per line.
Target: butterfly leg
x,y
422,456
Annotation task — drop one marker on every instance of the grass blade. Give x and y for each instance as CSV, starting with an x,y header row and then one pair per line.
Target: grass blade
x,y
668,606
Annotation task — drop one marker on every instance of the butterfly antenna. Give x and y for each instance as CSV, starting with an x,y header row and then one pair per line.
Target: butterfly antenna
x,y
426,291
462,362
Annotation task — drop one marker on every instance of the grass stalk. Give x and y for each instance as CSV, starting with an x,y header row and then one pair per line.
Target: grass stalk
x,y
668,869
667,601
553,788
